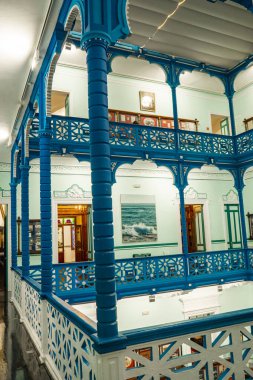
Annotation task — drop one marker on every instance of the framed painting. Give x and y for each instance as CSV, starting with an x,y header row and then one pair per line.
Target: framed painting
x,y
138,222
147,101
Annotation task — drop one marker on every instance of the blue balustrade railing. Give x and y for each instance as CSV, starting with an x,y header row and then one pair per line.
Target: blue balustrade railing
x,y
138,275
244,143
199,142
72,131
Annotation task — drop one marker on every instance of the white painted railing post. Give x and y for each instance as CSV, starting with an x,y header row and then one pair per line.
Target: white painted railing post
x,y
22,307
110,366
44,331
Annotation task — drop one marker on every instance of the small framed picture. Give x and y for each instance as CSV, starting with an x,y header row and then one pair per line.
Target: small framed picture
x,y
147,101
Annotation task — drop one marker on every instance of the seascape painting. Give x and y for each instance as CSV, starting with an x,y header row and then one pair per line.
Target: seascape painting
x,y
138,222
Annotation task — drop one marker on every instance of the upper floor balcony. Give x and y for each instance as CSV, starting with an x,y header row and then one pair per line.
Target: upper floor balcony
x,y
71,135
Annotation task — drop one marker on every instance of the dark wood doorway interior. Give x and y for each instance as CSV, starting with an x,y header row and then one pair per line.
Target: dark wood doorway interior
x,y
73,232
195,228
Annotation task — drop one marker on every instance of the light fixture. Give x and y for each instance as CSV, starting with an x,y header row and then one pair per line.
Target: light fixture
x,y
4,134
15,43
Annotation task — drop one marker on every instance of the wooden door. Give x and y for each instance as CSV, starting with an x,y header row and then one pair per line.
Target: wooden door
x,y
191,228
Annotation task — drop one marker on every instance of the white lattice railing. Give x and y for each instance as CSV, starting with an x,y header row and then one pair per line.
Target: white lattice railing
x,y
65,344
17,284
220,354
65,348
33,311
69,348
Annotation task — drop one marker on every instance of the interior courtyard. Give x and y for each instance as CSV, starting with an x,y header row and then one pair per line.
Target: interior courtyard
x,y
126,190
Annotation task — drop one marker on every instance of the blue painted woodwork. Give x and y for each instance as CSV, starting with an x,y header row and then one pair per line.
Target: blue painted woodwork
x,y
24,167
183,220
101,187
45,192
239,185
76,281
74,135
13,186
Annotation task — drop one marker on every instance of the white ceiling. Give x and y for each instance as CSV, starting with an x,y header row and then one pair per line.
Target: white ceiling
x,y
215,33
21,26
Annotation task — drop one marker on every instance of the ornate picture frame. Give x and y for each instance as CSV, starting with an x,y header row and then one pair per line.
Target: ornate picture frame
x,y
147,101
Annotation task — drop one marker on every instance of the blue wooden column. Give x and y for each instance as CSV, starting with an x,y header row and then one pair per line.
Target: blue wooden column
x,y
105,23
229,92
24,169
183,221
239,186
173,81
13,186
45,192
180,175
101,178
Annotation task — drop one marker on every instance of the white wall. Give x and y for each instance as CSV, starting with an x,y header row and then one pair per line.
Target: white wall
x,y
123,94
174,307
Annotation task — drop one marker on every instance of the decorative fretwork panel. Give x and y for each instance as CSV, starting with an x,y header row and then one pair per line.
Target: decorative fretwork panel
x,y
149,269
162,139
220,354
245,143
17,288
33,311
34,130
77,131
73,277
158,271
69,348
205,143
123,135
215,262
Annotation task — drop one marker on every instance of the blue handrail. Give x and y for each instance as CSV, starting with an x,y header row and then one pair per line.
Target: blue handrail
x,y
139,275
74,131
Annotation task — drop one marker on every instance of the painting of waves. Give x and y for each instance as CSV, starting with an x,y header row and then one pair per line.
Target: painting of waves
x,y
138,223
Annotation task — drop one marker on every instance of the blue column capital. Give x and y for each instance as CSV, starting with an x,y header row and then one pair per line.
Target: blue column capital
x,y
106,17
96,39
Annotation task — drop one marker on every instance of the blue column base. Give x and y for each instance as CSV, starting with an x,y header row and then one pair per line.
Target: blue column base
x,y
106,345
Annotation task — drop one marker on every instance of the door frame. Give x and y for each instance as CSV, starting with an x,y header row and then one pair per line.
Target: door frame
x,y
55,203
7,202
207,228
225,220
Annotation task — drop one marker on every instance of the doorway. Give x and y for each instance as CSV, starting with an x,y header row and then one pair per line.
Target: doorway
x,y
195,228
234,236
3,246
73,232
220,124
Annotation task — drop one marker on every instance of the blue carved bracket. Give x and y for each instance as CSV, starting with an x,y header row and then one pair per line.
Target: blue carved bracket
x,y
105,19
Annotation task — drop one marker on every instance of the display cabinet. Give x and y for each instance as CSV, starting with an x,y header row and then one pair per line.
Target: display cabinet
x,y
151,120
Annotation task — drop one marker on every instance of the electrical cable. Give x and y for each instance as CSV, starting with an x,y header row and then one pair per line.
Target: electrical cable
x,y
180,2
